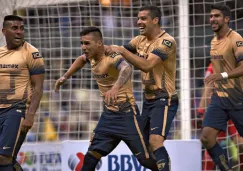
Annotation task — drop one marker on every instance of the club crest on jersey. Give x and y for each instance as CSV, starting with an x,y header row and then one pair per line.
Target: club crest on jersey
x,y
239,43
36,55
113,55
167,43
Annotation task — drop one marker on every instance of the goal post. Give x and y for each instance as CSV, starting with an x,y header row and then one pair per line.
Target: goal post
x,y
184,53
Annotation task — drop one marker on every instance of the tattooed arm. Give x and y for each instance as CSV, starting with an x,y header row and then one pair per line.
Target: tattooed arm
x,y
125,72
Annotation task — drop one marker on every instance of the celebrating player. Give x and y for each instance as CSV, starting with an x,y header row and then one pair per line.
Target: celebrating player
x,y
120,116
154,53
205,100
22,76
227,82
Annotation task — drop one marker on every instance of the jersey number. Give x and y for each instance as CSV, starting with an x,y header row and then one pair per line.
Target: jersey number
x,y
11,91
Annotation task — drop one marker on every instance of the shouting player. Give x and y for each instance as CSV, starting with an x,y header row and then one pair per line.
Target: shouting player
x,y
21,87
120,117
227,82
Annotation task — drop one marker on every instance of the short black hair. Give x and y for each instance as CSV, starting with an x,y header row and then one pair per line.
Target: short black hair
x,y
223,8
153,10
11,18
91,29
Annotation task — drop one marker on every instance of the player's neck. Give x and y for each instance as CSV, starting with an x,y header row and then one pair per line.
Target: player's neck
x,y
222,33
154,34
99,56
9,47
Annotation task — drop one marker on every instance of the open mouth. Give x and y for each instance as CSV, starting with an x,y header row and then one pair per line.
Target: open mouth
x,y
17,39
214,24
141,29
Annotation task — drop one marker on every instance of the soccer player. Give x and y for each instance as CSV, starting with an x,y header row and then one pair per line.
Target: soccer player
x,y
154,53
21,87
227,82
205,100
120,117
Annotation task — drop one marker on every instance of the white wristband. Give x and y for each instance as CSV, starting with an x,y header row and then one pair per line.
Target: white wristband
x,y
224,75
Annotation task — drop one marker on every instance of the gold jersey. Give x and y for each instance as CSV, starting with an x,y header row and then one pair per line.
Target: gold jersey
x,y
225,55
162,77
106,74
16,67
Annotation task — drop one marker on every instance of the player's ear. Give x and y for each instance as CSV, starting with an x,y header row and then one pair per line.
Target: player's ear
x,y
100,43
156,20
3,31
227,19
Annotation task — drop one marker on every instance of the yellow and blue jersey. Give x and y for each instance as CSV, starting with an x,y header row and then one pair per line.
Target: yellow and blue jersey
x,y
106,74
16,67
163,75
226,54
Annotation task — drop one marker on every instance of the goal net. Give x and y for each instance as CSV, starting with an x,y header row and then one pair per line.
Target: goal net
x,y
53,26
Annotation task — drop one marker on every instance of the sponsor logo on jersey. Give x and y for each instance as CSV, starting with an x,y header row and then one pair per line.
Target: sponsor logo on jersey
x,y
217,57
9,66
167,43
100,76
5,148
113,55
239,43
36,55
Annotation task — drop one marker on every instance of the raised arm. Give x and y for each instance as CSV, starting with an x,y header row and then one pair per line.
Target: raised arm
x,y
78,64
143,64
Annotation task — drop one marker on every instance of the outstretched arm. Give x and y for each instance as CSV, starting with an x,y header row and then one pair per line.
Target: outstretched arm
x,y
125,72
143,64
78,64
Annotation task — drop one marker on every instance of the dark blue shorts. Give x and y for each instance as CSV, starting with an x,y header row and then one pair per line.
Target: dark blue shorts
x,y
11,137
114,127
217,117
157,116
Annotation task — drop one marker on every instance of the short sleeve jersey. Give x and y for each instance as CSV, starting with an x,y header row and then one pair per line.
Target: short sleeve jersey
x,y
106,74
225,56
16,67
162,76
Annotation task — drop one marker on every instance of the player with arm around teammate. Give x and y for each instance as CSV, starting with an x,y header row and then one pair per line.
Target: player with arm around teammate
x,y
119,120
154,53
21,87
227,99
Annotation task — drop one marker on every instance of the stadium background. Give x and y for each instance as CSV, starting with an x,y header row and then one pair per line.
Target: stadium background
x,y
54,26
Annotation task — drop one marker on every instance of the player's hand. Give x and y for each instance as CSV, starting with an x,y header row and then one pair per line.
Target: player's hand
x,y
59,82
108,50
212,78
27,123
111,96
112,49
